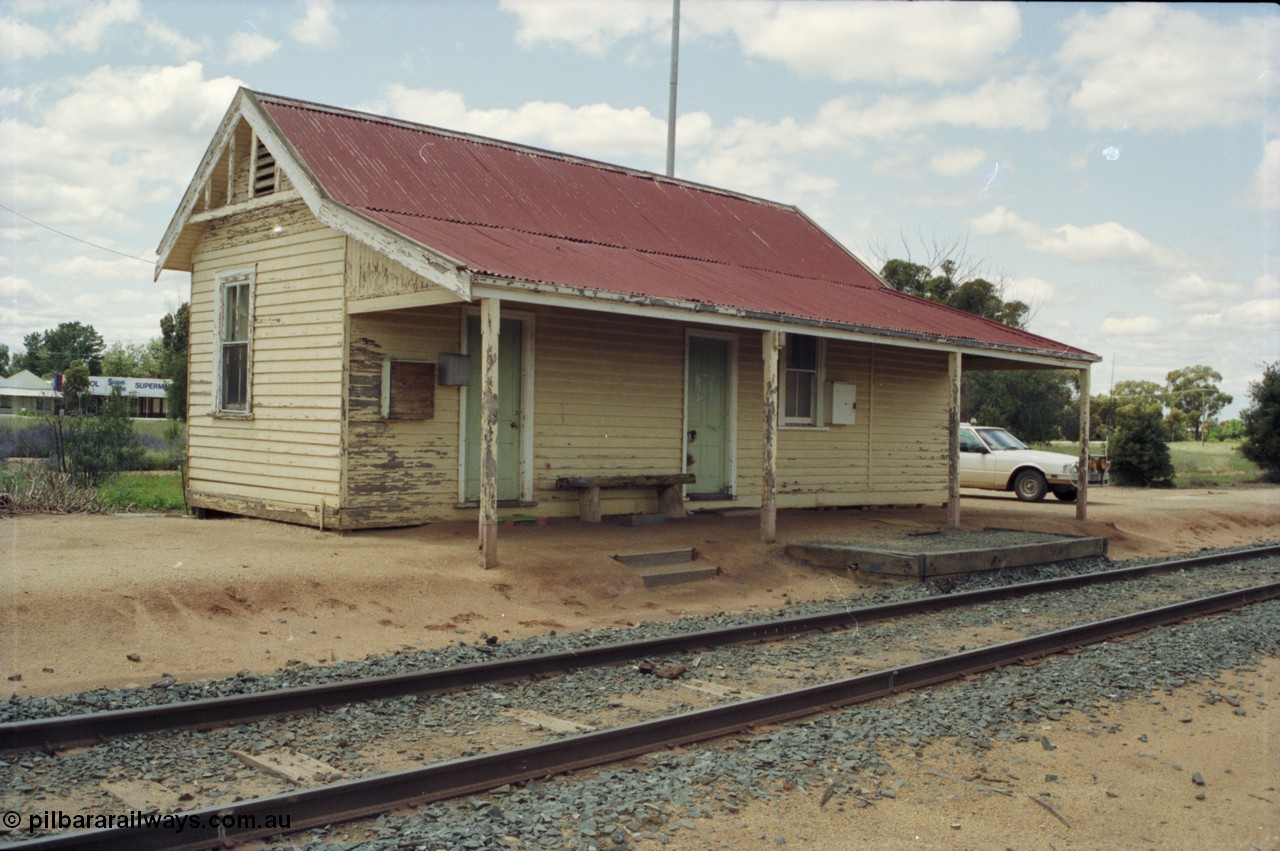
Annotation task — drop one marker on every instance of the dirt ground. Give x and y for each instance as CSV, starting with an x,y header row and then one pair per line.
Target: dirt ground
x,y
199,599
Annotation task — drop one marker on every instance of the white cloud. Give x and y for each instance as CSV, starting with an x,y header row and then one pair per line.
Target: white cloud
x,y
1262,315
889,42
89,158
88,32
1033,292
595,130
1264,192
248,48
175,42
1267,286
88,268
957,161
1019,104
589,25
1131,326
1155,67
316,27
20,40
1108,242
1194,290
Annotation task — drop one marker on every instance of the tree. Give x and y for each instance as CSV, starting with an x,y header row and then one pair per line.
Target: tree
x,y
1030,403
174,331
1125,398
1138,452
1262,423
1194,391
134,360
53,350
4,359
75,386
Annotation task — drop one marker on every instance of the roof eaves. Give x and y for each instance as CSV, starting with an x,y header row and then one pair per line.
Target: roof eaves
x,y
186,207
757,318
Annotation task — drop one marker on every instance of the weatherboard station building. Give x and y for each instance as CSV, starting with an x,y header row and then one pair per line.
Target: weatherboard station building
x,y
393,323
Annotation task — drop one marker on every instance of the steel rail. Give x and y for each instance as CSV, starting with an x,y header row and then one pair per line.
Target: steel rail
x,y
51,734
368,796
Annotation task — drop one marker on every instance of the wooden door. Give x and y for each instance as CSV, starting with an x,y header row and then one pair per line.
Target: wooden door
x,y
707,396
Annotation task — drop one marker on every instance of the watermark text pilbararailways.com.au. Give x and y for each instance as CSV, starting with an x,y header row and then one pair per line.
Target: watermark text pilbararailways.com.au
x,y
57,820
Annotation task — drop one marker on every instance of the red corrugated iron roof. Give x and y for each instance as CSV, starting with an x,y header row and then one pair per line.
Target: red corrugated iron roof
x,y
519,213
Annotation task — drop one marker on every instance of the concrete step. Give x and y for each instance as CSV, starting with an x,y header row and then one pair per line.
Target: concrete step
x,y
656,557
674,574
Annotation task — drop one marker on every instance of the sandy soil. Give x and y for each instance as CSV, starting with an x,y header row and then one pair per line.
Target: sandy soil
x,y
197,599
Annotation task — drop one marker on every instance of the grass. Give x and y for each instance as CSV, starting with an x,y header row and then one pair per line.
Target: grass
x,y
1214,463
144,491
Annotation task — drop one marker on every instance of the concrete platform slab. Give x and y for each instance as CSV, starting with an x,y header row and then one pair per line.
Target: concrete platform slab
x,y
926,565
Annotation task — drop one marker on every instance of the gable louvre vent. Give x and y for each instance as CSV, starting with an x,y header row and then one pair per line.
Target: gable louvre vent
x,y
264,171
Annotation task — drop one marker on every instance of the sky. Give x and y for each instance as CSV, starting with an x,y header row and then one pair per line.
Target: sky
x,y
1117,167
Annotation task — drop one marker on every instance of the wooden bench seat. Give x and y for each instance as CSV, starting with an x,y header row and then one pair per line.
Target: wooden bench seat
x,y
670,500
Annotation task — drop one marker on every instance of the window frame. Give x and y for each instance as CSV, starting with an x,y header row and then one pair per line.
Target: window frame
x,y
814,418
227,280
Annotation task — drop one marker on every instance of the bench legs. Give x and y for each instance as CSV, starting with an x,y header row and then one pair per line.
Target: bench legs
x,y
670,502
589,505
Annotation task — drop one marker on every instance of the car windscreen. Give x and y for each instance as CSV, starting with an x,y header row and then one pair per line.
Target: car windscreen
x,y
998,438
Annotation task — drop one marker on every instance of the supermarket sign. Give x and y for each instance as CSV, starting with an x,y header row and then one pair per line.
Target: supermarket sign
x,y
147,388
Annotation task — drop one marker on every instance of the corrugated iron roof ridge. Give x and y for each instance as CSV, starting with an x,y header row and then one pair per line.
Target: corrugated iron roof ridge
x,y
618,247
967,316
573,159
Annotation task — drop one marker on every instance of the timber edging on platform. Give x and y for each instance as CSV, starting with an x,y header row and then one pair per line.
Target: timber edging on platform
x,y
945,563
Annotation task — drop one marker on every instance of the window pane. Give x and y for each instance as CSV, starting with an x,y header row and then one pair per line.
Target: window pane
x,y
804,395
235,315
802,352
235,376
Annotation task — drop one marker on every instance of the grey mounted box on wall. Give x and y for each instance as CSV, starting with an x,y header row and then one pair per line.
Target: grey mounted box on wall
x,y
455,369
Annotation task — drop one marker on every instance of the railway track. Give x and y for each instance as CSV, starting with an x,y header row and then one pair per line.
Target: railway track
x,y
356,798
52,734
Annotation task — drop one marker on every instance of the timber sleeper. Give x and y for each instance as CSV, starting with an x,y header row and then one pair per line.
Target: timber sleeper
x,y
670,499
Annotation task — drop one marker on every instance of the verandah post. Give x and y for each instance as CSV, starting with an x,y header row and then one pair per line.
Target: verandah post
x,y
769,455
489,330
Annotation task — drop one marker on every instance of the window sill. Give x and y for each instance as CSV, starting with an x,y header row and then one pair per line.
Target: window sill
x,y
800,427
232,415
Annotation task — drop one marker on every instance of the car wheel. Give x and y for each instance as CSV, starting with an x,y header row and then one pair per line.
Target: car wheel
x,y
1066,494
1029,485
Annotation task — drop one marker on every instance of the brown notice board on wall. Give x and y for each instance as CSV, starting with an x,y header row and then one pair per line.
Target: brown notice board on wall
x,y
408,389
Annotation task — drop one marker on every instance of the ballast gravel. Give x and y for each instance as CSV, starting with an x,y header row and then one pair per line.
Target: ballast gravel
x,y
664,796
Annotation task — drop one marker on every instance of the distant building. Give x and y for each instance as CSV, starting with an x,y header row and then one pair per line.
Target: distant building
x,y
146,395
25,391
31,393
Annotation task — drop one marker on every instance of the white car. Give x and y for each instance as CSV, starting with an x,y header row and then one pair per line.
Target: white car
x,y
993,459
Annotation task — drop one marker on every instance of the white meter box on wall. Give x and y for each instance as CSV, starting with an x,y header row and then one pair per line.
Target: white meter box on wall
x,y
844,402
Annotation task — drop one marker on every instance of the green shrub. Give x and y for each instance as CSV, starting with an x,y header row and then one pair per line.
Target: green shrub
x,y
1261,422
1139,454
94,446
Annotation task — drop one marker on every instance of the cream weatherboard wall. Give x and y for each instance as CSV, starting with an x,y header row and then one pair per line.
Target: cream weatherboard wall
x,y
283,460
608,397
400,472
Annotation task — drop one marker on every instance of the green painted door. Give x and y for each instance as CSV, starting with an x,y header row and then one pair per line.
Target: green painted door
x,y
708,406
510,372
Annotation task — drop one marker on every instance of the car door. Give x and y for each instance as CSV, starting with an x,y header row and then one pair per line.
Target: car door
x,y
977,465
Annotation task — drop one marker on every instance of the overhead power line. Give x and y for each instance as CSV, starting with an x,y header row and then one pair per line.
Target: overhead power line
x,y
76,238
